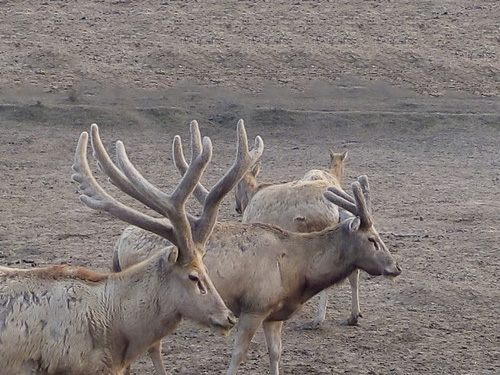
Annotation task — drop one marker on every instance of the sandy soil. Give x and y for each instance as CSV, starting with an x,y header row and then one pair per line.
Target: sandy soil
x,y
409,88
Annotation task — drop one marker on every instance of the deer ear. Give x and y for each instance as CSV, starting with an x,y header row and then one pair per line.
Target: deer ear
x,y
174,255
166,261
352,224
332,155
343,156
256,169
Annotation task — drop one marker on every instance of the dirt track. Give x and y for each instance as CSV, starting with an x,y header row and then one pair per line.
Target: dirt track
x,y
410,89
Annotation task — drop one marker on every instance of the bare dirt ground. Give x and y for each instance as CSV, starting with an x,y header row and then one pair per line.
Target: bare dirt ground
x,y
410,88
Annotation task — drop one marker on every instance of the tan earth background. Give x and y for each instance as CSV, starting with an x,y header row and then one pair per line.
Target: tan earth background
x,y
409,88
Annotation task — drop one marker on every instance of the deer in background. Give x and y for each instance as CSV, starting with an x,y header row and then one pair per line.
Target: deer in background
x,y
249,186
70,320
264,273
299,206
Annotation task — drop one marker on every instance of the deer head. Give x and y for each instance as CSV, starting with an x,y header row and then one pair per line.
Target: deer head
x,y
246,188
368,249
337,164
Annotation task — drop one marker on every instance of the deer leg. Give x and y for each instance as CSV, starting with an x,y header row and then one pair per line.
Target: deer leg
x,y
127,370
155,355
355,310
247,326
316,323
272,331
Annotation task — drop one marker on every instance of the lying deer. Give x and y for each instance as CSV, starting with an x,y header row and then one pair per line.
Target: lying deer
x,y
70,320
301,207
264,273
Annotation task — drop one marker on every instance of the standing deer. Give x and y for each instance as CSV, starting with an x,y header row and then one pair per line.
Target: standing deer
x,y
249,186
70,320
299,206
264,273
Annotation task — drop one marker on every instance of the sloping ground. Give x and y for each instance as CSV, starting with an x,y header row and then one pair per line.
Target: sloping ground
x,y
428,46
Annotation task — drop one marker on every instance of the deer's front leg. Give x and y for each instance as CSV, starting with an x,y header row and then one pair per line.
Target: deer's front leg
x,y
272,331
355,310
247,326
155,355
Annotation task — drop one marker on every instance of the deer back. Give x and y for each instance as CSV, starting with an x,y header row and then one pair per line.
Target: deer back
x,y
297,206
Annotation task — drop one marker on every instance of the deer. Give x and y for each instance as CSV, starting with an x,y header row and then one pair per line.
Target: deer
x,y
249,186
264,273
70,320
299,206
333,174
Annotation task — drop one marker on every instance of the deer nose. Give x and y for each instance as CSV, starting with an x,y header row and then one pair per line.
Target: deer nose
x,y
392,270
232,319
238,210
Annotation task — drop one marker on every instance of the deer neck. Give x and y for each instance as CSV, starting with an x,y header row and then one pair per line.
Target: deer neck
x,y
328,263
137,316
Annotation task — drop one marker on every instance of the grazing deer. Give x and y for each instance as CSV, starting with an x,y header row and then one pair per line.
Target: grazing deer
x,y
70,320
301,207
264,273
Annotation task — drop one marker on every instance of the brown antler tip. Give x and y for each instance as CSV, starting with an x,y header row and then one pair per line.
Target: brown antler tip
x,y
193,126
258,145
240,127
207,149
356,186
363,179
81,149
82,141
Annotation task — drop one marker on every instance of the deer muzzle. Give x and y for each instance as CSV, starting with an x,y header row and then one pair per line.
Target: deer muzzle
x,y
392,270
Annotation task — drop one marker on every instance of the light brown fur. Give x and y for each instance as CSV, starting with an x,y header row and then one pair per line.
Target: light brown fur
x,y
54,273
71,320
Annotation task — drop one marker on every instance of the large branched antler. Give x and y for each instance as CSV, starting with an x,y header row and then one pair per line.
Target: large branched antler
x,y
211,199
359,205
126,177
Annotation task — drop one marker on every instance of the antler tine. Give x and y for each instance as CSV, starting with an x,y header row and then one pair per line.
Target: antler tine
x,y
365,186
244,160
196,145
341,199
94,196
200,192
359,208
173,206
342,194
115,175
363,213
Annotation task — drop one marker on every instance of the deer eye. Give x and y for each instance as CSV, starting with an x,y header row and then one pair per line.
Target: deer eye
x,y
198,282
374,242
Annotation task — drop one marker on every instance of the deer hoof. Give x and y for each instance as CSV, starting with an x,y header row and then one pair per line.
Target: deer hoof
x,y
314,325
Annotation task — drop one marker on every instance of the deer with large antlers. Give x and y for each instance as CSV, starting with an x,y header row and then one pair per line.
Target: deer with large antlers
x,y
70,320
264,273
299,206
